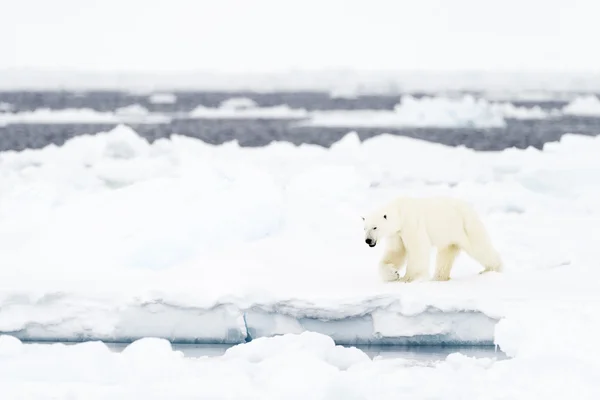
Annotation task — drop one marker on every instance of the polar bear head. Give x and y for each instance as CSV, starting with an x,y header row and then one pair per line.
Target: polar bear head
x,y
378,225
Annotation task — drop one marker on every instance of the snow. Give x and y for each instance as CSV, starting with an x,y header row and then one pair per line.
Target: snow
x,y
238,103
509,110
162,98
132,110
528,95
437,111
130,114
241,107
109,237
175,253
293,366
585,106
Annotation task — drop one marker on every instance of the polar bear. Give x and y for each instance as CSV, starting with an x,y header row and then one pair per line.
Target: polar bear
x,y
411,226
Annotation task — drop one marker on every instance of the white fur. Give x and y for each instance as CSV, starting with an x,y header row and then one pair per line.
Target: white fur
x,y
412,226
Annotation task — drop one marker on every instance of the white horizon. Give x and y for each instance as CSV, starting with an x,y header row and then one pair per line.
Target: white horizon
x,y
270,36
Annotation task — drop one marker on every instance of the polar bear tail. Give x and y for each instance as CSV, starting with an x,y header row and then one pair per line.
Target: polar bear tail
x,y
479,244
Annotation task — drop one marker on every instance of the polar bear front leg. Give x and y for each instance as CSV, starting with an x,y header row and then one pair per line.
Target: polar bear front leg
x,y
417,265
393,258
417,248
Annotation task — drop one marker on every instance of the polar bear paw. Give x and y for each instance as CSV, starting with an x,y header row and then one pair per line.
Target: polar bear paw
x,y
388,273
411,278
407,278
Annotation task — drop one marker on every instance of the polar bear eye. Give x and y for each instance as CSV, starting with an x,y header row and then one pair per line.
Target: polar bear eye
x,y
385,217
374,228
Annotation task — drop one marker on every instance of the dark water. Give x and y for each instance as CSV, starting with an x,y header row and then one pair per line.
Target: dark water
x,y
259,132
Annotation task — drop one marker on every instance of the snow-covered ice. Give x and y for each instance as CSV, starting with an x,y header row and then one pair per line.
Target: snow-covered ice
x,y
130,114
110,237
242,107
466,111
162,98
133,110
440,112
238,103
528,95
509,110
584,106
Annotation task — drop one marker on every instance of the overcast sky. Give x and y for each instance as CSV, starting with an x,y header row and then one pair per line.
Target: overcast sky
x,y
267,35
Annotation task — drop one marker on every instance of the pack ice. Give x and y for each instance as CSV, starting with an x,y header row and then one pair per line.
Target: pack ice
x,y
110,237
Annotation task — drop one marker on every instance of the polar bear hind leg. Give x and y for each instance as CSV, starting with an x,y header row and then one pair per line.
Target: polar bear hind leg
x,y
444,262
479,246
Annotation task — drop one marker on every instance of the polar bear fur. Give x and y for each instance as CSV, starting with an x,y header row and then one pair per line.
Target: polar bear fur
x,y
412,226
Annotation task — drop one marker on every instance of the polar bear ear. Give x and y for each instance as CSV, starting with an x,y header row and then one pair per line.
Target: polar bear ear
x,y
385,217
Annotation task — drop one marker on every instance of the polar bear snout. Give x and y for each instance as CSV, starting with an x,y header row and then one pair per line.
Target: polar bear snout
x,y
370,242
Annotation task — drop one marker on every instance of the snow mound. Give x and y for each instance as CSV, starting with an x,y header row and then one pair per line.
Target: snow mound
x,y
307,365
238,103
509,110
132,110
242,107
344,93
437,111
10,346
162,98
149,347
307,343
586,106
